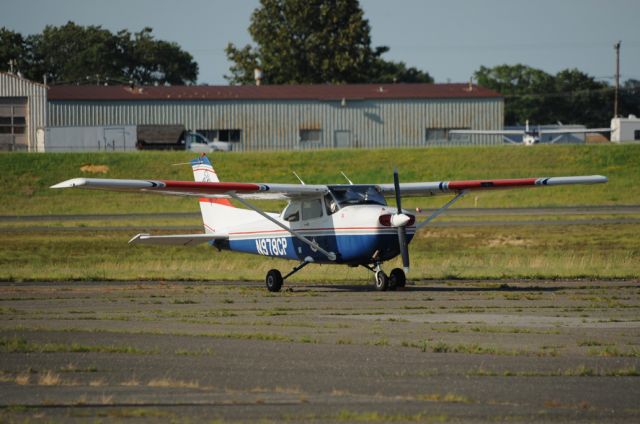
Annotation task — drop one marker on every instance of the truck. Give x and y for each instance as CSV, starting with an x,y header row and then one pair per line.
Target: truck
x,y
118,138
176,137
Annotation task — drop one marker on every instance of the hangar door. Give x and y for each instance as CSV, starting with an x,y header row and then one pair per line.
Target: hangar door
x,y
114,139
342,139
13,123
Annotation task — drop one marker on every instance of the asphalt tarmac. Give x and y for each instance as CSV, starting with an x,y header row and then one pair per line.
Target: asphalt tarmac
x,y
437,351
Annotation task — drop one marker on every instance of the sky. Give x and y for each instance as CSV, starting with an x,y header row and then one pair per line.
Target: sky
x,y
450,39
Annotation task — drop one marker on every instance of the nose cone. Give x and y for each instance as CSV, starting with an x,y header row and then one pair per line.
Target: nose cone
x,y
400,220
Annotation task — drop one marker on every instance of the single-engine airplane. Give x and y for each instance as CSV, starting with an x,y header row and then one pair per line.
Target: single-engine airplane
x,y
348,224
531,136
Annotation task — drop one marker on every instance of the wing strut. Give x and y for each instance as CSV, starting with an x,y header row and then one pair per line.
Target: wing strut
x,y
442,209
313,245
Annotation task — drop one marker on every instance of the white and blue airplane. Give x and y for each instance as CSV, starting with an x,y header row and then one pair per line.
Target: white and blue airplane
x,y
344,224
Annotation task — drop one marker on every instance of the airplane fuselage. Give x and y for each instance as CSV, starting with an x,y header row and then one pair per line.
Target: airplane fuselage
x,y
354,233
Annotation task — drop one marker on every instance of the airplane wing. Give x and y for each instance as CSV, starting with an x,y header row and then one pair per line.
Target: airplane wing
x,y
297,191
488,132
199,189
177,239
575,131
426,189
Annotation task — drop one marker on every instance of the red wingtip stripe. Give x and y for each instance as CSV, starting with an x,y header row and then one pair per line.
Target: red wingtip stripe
x,y
489,184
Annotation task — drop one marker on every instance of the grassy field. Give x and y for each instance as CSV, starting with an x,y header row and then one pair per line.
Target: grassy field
x,y
521,251
526,251
25,178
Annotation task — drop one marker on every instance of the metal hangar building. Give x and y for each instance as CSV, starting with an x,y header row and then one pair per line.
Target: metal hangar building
x,y
291,117
266,117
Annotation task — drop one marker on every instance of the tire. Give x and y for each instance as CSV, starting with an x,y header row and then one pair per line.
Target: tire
x,y
274,280
397,278
382,281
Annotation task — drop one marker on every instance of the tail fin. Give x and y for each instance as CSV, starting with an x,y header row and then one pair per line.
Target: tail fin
x,y
203,170
218,215
210,208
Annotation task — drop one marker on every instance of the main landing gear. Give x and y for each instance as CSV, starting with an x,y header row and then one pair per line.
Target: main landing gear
x,y
396,279
275,279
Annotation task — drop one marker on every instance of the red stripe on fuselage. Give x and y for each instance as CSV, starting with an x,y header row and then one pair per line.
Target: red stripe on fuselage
x,y
306,230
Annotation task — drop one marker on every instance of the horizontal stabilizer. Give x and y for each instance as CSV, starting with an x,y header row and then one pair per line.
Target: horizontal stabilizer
x,y
177,239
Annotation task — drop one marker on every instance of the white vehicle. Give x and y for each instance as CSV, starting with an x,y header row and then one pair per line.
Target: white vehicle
x,y
198,143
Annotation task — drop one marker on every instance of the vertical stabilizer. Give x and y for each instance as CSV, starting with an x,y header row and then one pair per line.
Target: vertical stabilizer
x,y
203,170
213,210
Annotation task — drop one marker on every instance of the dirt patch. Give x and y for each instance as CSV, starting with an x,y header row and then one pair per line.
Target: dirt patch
x,y
507,241
94,169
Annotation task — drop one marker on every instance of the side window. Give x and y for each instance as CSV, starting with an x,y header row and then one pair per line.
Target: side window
x,y
292,212
311,209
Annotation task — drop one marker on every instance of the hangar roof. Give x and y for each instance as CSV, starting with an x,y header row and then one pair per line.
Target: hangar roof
x,y
270,92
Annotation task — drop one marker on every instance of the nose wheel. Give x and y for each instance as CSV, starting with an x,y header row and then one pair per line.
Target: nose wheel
x,y
396,279
382,281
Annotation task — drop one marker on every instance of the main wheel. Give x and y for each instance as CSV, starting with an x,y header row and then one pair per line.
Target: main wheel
x,y
382,281
397,278
274,280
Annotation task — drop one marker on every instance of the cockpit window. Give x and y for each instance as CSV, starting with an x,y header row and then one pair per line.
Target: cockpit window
x,y
330,204
292,212
311,208
357,195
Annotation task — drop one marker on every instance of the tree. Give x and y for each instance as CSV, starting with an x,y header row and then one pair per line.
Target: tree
x,y
313,42
76,54
571,96
521,86
388,72
630,98
148,61
12,48
581,99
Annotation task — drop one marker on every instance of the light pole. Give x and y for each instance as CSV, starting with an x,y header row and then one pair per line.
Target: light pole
x,y
615,102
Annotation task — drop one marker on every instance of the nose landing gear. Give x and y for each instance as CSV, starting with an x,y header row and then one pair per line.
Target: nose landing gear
x,y
396,279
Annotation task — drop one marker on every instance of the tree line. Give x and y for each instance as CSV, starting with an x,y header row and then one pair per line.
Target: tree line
x,y
75,54
300,42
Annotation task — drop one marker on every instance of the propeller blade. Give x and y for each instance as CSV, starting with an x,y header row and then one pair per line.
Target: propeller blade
x,y
402,230
396,186
404,247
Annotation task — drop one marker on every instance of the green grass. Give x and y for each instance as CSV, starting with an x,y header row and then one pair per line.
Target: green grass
x,y
576,251
522,251
25,178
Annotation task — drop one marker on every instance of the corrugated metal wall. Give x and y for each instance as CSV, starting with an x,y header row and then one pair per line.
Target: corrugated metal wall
x,y
36,95
276,125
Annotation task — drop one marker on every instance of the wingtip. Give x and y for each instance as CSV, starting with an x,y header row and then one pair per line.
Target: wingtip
x,y
70,183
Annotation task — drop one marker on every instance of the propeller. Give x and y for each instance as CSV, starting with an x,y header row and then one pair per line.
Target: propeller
x,y
400,221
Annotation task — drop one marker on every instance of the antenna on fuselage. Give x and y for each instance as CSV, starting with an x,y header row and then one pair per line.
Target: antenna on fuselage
x,y
298,177
346,178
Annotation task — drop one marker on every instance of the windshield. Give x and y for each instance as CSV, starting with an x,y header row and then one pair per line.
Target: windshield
x,y
357,195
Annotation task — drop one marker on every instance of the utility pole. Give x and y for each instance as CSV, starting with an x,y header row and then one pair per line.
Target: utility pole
x,y
615,102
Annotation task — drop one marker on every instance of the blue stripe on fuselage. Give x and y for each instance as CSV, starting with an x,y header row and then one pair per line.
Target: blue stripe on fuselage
x,y
356,248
